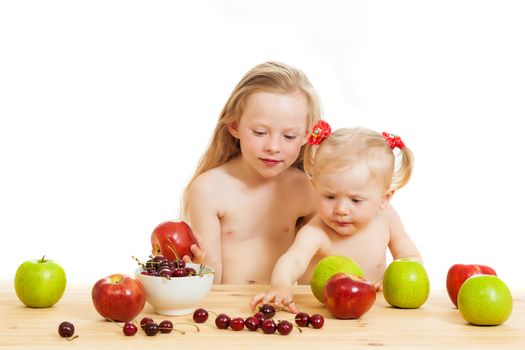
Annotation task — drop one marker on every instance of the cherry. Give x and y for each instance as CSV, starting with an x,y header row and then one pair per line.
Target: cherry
x,y
66,329
166,326
129,329
151,329
267,310
144,322
179,272
191,271
269,326
200,315
302,319
222,321
284,327
252,323
237,324
317,321
260,316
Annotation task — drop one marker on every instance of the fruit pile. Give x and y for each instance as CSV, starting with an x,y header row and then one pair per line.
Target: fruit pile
x,y
162,267
262,319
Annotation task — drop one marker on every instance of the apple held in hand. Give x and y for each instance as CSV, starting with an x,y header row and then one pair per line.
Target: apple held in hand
x,y
348,296
118,297
40,283
485,300
172,240
458,273
406,284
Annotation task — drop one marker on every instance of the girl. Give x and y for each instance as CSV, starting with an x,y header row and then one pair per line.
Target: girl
x,y
354,176
249,191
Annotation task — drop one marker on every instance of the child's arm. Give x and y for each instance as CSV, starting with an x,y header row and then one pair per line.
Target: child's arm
x,y
401,245
204,219
290,267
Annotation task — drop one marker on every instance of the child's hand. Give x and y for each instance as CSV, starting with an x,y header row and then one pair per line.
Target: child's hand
x,y
280,296
199,255
379,285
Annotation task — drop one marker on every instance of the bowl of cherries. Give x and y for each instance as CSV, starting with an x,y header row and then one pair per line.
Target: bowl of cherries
x,y
173,288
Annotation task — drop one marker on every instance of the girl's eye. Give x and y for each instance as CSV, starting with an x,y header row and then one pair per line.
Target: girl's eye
x,y
290,137
259,132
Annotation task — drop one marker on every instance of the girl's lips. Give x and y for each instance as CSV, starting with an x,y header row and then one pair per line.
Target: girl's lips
x,y
270,162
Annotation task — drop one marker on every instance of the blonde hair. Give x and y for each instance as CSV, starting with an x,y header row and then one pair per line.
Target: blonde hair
x,y
270,77
344,147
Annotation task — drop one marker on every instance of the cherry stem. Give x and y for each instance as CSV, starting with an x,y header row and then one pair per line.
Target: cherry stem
x,y
42,260
139,262
172,250
114,322
189,324
72,338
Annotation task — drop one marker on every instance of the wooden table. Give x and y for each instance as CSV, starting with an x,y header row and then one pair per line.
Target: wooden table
x,y
436,324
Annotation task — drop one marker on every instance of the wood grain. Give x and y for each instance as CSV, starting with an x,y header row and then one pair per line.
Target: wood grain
x,y
437,324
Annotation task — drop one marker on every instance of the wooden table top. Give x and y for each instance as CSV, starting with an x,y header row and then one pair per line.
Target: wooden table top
x,y
437,324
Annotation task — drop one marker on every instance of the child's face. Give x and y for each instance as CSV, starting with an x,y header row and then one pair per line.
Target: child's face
x,y
272,130
349,199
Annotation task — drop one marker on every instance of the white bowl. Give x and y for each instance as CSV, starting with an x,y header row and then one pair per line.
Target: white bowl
x,y
178,295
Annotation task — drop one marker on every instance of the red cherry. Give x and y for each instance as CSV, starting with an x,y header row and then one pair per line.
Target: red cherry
x,y
166,326
284,327
222,321
237,324
269,326
129,329
252,323
317,321
302,319
200,315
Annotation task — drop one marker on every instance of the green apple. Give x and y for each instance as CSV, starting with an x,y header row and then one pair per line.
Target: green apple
x,y
485,300
406,284
40,283
329,266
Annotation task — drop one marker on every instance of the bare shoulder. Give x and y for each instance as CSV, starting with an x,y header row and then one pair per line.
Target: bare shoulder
x,y
299,185
313,230
209,184
390,214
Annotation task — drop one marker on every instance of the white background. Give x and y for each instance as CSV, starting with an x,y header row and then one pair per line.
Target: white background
x,y
106,107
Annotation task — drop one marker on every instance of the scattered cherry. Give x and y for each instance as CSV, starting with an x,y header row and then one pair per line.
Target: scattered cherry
x,y
66,329
222,321
151,329
129,329
302,319
252,323
317,321
267,310
284,327
200,315
145,321
269,326
166,326
237,324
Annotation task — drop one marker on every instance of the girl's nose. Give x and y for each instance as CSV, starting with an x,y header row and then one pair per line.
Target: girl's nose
x,y
272,146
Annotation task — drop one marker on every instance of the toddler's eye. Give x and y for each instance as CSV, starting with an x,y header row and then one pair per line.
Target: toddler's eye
x,y
357,201
329,197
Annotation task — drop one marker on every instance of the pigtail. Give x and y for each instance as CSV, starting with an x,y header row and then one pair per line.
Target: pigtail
x,y
403,171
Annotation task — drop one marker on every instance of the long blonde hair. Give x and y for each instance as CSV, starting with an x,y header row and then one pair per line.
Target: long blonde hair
x,y
270,77
344,147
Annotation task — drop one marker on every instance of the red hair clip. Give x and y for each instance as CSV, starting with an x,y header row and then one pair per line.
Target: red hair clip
x,y
320,131
393,140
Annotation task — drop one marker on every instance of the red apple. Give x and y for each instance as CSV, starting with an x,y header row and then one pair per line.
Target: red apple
x,y
457,274
172,240
348,296
119,297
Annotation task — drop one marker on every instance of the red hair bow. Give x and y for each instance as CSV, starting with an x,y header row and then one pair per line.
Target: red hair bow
x,y
393,140
320,131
